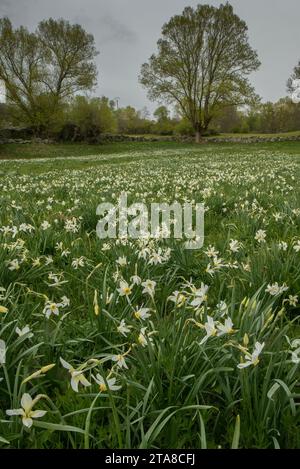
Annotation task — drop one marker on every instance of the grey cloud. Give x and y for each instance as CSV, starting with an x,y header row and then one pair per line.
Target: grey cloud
x,y
111,30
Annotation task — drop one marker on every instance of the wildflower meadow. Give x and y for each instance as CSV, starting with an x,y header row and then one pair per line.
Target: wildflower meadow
x,y
142,343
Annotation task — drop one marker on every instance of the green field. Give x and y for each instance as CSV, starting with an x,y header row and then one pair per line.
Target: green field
x,y
295,133
34,150
143,343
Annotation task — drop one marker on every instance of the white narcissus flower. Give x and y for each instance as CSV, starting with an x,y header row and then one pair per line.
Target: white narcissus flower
x,y
222,308
120,361
77,376
122,261
14,265
295,356
226,328
65,301
53,308
149,287
276,289
210,329
200,296
293,300
109,384
45,225
295,352
78,262
283,246
297,246
261,236
246,267
136,280
142,313
123,328
36,262
156,258
48,260
234,245
252,359
26,411
178,298
25,330
211,252
209,269
124,289
2,292
141,338
144,339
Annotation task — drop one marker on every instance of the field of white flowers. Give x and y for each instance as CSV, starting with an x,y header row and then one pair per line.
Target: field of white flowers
x,y
143,344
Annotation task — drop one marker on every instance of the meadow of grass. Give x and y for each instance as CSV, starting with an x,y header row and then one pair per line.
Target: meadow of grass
x,y
15,151
295,133
144,344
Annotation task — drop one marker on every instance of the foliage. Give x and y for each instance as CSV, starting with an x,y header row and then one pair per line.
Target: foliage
x,y
282,116
89,117
202,64
42,69
131,121
295,76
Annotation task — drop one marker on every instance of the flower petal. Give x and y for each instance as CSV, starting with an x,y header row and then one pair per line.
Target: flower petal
x,y
35,414
26,402
74,383
12,412
27,422
65,364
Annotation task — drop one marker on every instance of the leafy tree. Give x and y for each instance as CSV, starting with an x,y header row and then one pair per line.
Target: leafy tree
x,y
131,121
43,69
228,120
161,114
202,64
293,86
90,117
295,76
164,125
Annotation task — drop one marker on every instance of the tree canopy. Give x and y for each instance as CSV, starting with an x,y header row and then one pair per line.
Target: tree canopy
x,y
202,64
43,68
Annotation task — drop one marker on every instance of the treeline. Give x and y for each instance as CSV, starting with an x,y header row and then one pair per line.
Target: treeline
x,y
85,119
282,116
50,74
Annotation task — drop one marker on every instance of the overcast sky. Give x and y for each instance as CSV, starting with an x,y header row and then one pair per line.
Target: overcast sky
x,y
126,32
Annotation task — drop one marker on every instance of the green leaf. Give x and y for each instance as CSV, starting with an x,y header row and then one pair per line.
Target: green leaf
x,y
58,427
272,391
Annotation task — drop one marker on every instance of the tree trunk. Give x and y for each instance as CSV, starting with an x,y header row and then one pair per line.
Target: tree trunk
x,y
198,136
